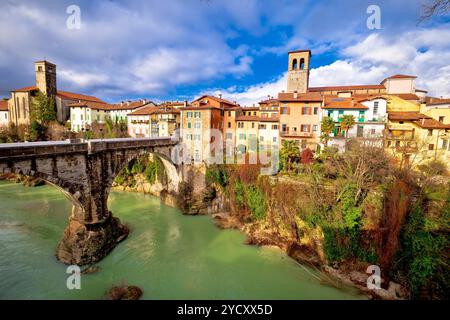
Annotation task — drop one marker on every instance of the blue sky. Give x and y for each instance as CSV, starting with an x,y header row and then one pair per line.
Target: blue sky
x,y
168,50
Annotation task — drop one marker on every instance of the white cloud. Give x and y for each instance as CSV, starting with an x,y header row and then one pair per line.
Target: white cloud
x,y
424,53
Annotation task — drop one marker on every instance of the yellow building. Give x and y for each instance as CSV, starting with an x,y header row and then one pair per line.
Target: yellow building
x,y
438,109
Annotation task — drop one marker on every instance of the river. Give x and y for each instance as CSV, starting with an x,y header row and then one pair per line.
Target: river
x,y
167,254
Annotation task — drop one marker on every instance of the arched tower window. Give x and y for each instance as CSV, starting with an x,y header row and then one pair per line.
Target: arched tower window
x,y
302,64
294,64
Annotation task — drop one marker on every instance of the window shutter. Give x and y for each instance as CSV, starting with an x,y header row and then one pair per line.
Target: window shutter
x,y
310,110
288,110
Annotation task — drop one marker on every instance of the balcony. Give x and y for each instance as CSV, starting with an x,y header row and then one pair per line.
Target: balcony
x,y
296,134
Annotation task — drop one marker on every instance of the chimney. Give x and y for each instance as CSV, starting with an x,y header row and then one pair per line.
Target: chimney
x,y
295,95
220,95
185,103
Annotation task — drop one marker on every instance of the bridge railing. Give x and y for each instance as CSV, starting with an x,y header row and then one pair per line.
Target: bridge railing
x,y
15,150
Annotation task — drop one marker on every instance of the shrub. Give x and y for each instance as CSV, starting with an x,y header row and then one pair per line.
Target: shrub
x,y
256,202
434,167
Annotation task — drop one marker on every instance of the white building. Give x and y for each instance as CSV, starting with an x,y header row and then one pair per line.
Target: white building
x,y
4,113
84,114
370,115
152,121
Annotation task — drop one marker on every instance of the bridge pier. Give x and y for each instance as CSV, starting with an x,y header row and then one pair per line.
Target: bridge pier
x,y
88,243
84,172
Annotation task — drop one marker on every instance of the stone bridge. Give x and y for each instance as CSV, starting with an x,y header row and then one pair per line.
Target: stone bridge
x,y
85,171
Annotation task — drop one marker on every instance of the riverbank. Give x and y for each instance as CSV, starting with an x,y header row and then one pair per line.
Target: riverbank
x,y
167,254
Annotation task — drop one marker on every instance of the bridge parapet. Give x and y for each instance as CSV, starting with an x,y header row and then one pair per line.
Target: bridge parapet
x,y
22,150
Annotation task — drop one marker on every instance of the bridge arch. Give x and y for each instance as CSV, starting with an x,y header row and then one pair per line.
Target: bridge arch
x,y
84,171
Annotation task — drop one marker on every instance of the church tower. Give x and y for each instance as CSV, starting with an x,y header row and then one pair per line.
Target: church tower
x,y
46,77
298,71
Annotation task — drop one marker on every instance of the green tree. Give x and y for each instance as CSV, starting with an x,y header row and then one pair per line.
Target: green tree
x,y
43,109
347,122
289,153
327,127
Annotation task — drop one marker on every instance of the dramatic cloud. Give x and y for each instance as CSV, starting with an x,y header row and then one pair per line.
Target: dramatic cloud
x,y
179,49
424,53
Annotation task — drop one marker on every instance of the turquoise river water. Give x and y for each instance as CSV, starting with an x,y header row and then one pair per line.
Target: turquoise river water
x,y
167,254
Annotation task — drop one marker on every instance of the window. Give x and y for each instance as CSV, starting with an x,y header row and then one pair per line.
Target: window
x,y
229,136
372,131
242,136
294,64
274,139
305,128
40,68
262,126
229,113
261,138
81,116
197,125
18,107
431,146
302,64
316,110
229,124
274,127
444,144
375,108
283,127
295,129
315,128
189,125
197,137
197,115
430,132
303,144
305,110
441,119
189,114
401,122
254,113
284,110
253,125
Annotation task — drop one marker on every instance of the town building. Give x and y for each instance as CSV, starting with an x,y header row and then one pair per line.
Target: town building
x,y
300,118
368,113
84,114
203,127
4,113
21,100
153,121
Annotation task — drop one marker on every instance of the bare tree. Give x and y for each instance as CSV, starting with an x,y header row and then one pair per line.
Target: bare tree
x,y
435,7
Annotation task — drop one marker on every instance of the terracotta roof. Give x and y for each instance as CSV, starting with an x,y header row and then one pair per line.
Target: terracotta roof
x,y
91,105
204,107
343,103
438,102
145,111
268,119
168,111
307,97
407,96
130,105
400,76
3,105
343,88
431,124
25,89
172,103
216,99
296,51
406,115
269,101
77,96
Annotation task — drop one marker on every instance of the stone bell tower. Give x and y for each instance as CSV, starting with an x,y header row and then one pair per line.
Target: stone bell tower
x,y
298,71
46,77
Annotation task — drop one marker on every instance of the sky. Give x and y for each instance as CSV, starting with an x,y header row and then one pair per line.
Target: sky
x,y
179,50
